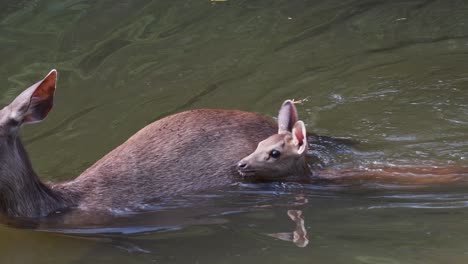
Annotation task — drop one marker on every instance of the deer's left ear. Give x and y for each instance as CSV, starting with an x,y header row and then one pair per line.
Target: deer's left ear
x,y
34,103
287,117
299,134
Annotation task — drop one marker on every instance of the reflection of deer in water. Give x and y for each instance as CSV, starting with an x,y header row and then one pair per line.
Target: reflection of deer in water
x,y
284,156
299,235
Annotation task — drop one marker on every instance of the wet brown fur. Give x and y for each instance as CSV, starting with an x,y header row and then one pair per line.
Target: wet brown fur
x,y
182,153
186,152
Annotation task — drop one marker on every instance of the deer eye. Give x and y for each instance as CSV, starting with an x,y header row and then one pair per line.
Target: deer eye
x,y
275,154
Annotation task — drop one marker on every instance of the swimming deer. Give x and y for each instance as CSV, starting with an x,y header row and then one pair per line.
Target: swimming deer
x,y
283,156
185,152
182,153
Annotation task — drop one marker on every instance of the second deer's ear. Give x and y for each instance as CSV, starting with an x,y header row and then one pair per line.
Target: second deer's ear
x,y
34,103
299,134
287,117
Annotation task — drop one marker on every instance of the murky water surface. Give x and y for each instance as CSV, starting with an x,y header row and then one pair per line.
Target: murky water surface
x,y
392,75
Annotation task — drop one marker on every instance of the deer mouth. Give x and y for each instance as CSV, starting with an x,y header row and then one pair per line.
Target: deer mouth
x,y
246,173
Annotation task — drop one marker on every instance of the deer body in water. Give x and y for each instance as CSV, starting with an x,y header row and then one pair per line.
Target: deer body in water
x,y
186,152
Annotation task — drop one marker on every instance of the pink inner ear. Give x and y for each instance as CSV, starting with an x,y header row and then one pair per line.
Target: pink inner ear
x,y
300,136
47,88
42,99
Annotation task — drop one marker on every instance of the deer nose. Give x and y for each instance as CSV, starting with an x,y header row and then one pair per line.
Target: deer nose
x,y
242,164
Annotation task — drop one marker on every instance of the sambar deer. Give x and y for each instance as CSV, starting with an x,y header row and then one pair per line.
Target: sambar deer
x,y
185,152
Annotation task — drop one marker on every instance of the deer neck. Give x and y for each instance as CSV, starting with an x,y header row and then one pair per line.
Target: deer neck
x,y
302,168
22,194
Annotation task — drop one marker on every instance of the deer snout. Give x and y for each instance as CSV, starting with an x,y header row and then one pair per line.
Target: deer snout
x,y
243,168
242,165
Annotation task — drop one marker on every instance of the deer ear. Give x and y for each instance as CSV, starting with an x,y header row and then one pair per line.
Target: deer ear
x,y
299,134
287,117
34,103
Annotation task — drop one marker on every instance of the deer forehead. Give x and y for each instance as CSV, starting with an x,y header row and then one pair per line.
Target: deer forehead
x,y
276,141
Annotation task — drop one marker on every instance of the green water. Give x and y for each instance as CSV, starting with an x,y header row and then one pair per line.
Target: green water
x,y
390,74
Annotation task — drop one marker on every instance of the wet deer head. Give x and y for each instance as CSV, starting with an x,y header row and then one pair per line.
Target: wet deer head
x,y
281,155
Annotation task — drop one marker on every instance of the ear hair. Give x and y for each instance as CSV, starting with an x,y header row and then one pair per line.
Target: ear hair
x,y
287,117
299,134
